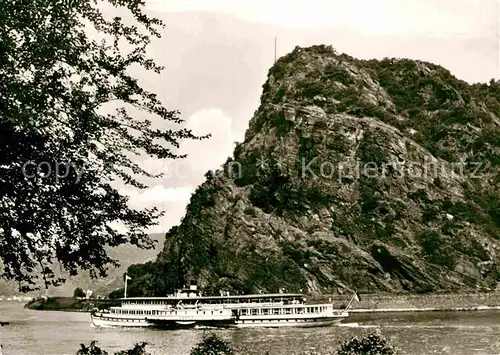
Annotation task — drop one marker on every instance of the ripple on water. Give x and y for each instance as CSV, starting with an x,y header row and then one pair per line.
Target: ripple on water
x,y
60,333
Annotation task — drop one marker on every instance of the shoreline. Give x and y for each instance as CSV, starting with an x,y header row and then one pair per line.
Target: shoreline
x,y
66,304
355,311
431,302
369,303
429,310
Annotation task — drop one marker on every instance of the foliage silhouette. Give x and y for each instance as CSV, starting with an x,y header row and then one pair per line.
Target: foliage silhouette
x,y
92,349
78,292
373,344
212,345
71,117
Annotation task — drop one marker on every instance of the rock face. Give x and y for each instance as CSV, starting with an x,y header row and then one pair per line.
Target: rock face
x,y
368,175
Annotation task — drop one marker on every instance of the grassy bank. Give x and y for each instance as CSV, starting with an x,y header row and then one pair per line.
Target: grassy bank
x,y
68,304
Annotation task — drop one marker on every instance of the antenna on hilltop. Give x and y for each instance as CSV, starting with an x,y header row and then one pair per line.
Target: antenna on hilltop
x,y
274,50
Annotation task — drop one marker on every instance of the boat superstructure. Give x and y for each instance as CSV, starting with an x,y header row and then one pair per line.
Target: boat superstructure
x,y
293,315
188,308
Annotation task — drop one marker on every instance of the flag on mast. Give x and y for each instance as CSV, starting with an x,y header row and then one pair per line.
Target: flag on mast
x,y
125,291
354,297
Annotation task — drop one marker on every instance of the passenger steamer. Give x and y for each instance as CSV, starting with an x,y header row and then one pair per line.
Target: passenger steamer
x,y
188,309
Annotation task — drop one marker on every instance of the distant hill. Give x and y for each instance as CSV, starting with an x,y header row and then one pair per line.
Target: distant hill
x,y
126,254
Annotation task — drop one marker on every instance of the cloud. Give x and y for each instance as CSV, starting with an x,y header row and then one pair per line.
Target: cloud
x,y
158,196
172,201
182,177
204,155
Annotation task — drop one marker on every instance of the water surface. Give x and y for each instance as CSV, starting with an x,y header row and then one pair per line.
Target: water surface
x,y
59,333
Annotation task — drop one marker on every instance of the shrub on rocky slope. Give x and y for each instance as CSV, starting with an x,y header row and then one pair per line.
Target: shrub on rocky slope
x,y
374,175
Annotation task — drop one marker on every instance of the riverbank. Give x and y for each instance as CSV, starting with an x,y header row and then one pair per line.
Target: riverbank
x,y
67,304
370,303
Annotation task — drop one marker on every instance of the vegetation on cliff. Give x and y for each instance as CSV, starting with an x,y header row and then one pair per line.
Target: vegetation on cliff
x,y
366,174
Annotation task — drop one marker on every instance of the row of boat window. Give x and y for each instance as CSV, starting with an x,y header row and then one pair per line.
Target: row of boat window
x,y
243,312
269,311
218,301
154,312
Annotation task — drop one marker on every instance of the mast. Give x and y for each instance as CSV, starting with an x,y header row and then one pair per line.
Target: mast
x,y
126,279
275,40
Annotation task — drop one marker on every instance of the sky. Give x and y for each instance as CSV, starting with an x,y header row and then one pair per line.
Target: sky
x,y
217,54
439,17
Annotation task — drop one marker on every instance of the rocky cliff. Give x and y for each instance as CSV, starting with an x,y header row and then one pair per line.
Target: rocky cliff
x,y
368,175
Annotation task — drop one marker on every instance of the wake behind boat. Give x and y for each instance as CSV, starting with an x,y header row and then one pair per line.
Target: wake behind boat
x,y
188,309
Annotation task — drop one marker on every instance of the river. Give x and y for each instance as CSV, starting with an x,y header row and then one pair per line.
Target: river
x,y
59,333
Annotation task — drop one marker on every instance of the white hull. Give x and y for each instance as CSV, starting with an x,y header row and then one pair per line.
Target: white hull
x,y
297,320
188,318
104,321
279,323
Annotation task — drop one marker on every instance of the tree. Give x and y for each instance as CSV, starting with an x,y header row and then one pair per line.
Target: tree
x,y
78,293
373,344
138,349
63,147
116,294
212,345
93,349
